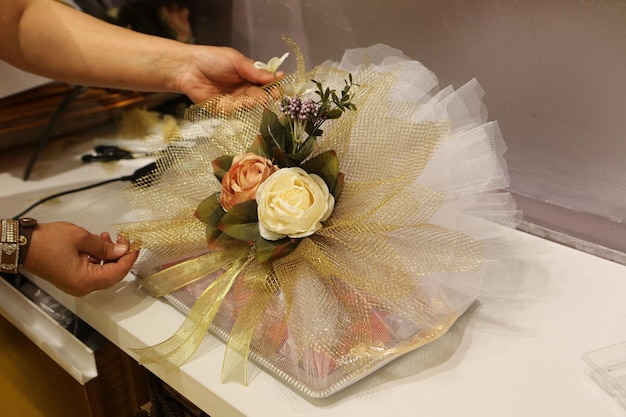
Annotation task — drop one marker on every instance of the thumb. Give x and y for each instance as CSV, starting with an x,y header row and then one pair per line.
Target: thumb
x,y
98,248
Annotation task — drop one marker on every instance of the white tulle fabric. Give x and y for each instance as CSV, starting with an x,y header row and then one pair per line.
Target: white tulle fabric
x,y
469,169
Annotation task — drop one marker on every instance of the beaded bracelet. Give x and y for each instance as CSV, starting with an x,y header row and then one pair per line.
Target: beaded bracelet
x,y
14,243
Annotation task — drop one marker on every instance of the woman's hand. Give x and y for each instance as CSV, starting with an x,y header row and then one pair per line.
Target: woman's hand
x,y
213,71
75,260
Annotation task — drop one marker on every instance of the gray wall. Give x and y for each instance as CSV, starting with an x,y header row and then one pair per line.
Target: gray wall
x,y
554,72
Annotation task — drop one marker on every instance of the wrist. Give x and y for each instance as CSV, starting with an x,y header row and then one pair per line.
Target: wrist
x,y
15,236
179,67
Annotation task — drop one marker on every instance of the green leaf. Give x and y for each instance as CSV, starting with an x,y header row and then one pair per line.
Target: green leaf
x,y
280,158
241,222
311,129
268,250
334,114
338,188
221,166
295,159
317,132
245,212
247,232
272,131
326,94
326,165
308,145
216,238
259,147
210,210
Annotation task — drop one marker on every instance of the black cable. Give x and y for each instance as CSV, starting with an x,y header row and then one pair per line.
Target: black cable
x,y
32,206
139,173
45,136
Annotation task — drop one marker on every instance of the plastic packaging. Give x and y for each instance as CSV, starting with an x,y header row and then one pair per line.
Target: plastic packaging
x,y
608,369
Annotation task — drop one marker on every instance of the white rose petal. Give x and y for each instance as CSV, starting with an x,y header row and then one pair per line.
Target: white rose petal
x,y
292,203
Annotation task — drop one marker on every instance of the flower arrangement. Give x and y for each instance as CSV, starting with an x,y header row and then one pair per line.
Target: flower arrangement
x,y
275,194
250,226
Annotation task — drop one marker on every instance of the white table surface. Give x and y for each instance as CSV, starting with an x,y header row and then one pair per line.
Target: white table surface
x,y
525,360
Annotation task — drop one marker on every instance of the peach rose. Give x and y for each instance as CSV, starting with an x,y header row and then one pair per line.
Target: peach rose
x,y
243,178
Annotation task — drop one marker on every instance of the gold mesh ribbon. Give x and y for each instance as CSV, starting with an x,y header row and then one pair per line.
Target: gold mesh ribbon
x,y
178,349
371,252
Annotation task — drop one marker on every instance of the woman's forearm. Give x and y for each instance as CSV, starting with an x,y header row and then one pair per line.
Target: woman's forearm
x,y
59,42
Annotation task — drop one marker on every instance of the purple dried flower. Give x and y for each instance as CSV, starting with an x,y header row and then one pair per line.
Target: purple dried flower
x,y
298,109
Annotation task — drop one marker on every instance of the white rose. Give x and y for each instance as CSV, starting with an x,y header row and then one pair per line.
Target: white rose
x,y
292,203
